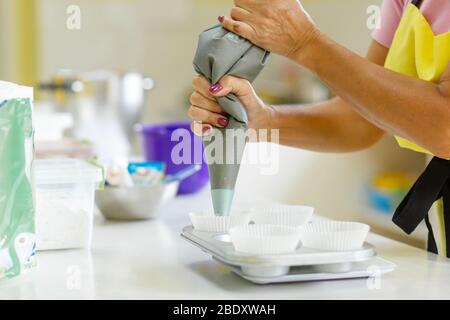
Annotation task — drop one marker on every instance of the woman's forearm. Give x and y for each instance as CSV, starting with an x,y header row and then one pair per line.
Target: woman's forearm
x,y
331,126
401,105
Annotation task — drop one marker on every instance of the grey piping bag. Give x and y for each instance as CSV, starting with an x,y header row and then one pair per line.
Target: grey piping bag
x,y
219,53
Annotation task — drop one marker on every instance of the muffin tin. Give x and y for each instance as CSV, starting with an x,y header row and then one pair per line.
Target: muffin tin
x,y
304,264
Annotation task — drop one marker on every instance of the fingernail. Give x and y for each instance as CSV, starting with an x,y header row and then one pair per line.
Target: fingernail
x,y
206,130
220,18
215,88
222,122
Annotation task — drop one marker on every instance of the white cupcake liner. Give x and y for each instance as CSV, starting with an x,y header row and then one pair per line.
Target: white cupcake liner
x,y
264,239
334,235
209,222
284,215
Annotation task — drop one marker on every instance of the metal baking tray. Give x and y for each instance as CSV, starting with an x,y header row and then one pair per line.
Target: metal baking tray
x,y
373,267
304,264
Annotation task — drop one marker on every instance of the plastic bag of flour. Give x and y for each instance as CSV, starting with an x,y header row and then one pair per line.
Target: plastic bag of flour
x,y
17,237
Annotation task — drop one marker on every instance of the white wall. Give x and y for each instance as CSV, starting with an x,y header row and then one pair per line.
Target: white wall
x,y
333,183
158,37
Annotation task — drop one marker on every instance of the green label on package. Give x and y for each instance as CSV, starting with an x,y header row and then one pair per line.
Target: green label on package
x,y
17,235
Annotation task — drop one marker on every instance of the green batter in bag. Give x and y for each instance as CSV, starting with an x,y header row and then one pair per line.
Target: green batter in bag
x,y
17,236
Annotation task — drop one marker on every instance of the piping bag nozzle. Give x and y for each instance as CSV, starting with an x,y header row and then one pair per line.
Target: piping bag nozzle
x,y
222,200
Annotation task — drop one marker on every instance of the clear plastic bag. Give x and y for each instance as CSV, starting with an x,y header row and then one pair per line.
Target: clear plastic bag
x,y
17,236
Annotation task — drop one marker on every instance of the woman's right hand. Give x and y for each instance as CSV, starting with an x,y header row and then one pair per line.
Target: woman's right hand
x,y
206,112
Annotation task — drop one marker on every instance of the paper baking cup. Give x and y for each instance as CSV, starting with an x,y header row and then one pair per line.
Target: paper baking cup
x,y
211,223
334,235
264,239
284,215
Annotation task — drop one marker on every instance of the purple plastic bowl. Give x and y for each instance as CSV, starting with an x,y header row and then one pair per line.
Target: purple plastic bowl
x,y
157,145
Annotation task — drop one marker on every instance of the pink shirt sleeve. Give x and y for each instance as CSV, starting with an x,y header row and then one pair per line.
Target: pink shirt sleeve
x,y
391,14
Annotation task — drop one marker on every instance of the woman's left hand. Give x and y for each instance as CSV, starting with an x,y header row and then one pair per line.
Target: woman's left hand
x,y
279,26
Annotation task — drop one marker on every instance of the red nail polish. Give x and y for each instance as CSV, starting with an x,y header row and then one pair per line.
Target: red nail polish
x,y
220,18
222,122
206,130
215,88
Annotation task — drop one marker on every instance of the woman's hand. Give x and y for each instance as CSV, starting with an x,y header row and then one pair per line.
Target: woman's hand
x,y
206,111
280,26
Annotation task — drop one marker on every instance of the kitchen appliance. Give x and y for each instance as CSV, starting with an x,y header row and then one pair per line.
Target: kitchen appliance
x,y
105,106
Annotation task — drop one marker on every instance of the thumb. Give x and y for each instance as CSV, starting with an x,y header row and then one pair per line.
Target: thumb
x,y
240,28
229,84
240,87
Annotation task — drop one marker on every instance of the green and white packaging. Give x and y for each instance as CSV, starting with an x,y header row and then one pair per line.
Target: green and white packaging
x,y
17,236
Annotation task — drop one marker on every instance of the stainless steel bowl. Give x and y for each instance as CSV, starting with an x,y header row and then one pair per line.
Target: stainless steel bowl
x,y
135,203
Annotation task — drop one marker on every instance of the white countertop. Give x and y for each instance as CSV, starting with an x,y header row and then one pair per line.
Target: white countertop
x,y
149,260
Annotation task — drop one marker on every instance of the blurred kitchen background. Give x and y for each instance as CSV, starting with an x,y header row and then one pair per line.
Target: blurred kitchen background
x,y
131,62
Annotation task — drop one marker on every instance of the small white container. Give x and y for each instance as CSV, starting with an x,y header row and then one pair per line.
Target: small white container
x,y
209,222
65,194
264,239
284,215
334,235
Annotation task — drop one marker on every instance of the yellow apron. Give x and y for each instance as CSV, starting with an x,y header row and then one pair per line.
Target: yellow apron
x,y
417,52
